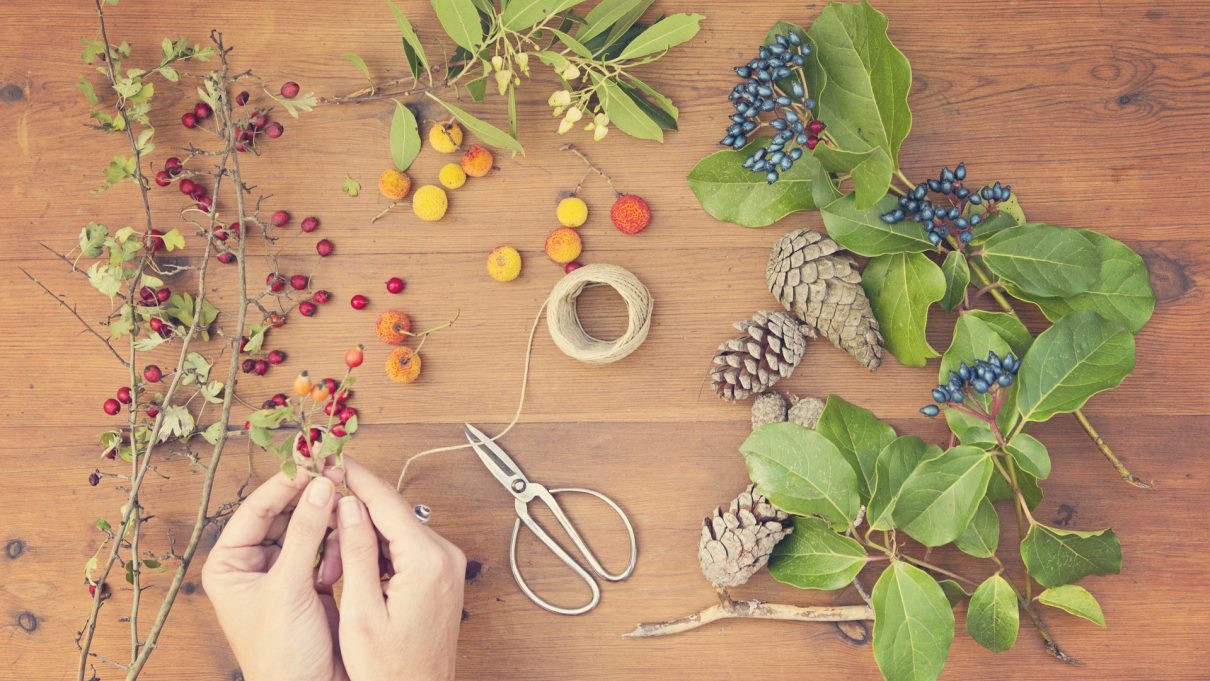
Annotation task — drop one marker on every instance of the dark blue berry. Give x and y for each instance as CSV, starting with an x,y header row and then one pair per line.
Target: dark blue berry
x,y
981,386
960,171
930,410
965,237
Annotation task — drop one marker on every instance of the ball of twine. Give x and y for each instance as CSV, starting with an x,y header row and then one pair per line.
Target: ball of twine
x,y
563,319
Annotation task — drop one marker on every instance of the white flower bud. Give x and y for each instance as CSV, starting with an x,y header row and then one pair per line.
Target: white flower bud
x,y
559,98
574,114
523,62
497,63
601,119
600,133
503,78
571,72
564,126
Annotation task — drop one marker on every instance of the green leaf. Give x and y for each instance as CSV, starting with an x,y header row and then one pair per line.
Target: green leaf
x,y
1031,455
174,240
512,111
913,624
86,88
1056,557
870,169
522,14
970,430
1075,600
815,557
859,436
405,137
894,466
269,418
350,186
105,278
652,111
973,339
178,422
957,278
663,34
572,44
1121,293
413,49
1078,357
901,288
460,20
361,66
993,618
803,473
624,113
92,238
1008,214
1042,260
103,525
954,592
861,80
982,536
261,436
732,193
485,131
940,497
607,13
655,96
864,232
1000,489
1008,326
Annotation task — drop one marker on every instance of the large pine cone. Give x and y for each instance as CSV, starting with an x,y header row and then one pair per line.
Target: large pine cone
x,y
772,345
736,544
824,290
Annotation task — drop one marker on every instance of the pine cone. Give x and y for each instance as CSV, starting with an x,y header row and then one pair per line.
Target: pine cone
x,y
824,290
805,412
772,345
768,408
736,544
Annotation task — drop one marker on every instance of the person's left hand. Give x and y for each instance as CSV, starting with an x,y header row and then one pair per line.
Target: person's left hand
x,y
273,603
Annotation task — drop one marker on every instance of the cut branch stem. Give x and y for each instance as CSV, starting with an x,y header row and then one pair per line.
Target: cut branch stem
x,y
726,608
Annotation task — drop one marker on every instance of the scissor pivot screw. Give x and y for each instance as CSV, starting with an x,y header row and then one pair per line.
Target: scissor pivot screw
x,y
518,485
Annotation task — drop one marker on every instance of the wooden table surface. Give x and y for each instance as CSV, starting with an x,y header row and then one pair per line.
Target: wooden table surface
x,y
1095,110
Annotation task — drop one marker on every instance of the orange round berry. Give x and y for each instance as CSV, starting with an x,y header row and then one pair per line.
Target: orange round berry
x,y
319,393
477,161
630,214
403,365
394,184
564,245
393,327
302,384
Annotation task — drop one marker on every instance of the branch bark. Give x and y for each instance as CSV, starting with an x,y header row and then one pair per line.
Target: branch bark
x,y
726,608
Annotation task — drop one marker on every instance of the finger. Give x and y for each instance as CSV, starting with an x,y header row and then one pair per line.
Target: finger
x,y
308,526
330,568
252,521
390,513
359,560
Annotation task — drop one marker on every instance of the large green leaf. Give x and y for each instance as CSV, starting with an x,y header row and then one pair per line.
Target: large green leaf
x,y
992,618
610,12
940,497
982,536
413,49
1009,327
957,278
859,436
895,464
1030,454
801,472
871,171
864,232
1078,357
460,20
954,591
860,79
913,624
1075,600
625,114
973,339
522,14
485,131
1008,214
1042,260
1056,557
732,193
1000,489
815,557
970,430
662,35
901,288
405,137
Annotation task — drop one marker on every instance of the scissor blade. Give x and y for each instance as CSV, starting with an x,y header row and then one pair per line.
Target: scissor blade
x,y
501,465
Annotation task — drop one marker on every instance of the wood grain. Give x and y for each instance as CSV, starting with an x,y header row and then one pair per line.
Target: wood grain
x,y
1096,112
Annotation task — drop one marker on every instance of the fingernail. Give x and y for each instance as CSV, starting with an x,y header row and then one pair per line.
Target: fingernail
x,y
320,491
349,512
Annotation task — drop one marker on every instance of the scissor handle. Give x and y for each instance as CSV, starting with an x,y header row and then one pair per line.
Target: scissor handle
x,y
524,517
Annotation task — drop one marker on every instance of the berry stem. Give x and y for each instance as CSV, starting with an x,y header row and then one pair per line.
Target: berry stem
x,y
591,169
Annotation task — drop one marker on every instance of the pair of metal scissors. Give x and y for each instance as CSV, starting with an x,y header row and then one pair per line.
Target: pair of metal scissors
x,y
505,470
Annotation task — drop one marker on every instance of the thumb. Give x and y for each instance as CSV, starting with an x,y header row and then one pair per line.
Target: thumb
x,y
304,534
359,556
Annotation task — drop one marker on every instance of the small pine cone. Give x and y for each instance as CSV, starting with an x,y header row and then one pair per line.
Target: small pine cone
x,y
772,345
824,290
737,543
767,408
805,412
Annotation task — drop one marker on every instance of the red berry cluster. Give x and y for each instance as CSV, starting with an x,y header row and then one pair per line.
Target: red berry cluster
x,y
152,373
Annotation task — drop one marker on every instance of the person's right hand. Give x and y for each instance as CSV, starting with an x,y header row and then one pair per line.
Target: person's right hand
x,y
407,627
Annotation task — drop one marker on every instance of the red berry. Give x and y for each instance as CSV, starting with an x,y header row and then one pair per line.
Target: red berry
x,y
241,147
268,404
187,186
299,282
204,204
815,127
630,214
242,98
304,449
313,434
345,396
289,89
346,414
274,130
243,344
279,218
234,229
328,408
330,384
310,224
260,367
112,407
276,357
173,165
152,411
257,121
189,120
226,258
248,365
307,309
166,330
395,285
156,324
571,267
275,281
154,240
247,425
124,394
162,179
198,193
322,297
359,302
353,359
279,399
338,431
163,294
202,110
324,248
147,294
277,320
152,373
812,142
220,233
247,135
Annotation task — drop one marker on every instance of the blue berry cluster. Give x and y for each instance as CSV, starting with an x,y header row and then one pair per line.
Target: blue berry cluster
x,y
945,216
980,377
774,84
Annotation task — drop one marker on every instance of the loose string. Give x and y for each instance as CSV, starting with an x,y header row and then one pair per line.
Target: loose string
x,y
569,334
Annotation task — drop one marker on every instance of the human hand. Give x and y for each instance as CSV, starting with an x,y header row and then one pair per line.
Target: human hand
x,y
274,606
407,627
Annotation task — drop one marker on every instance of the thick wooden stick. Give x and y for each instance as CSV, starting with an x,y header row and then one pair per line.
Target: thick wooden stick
x,y
753,609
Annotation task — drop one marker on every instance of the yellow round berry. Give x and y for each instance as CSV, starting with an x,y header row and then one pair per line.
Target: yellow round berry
x,y
563,245
504,264
394,184
445,138
429,203
452,176
572,211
